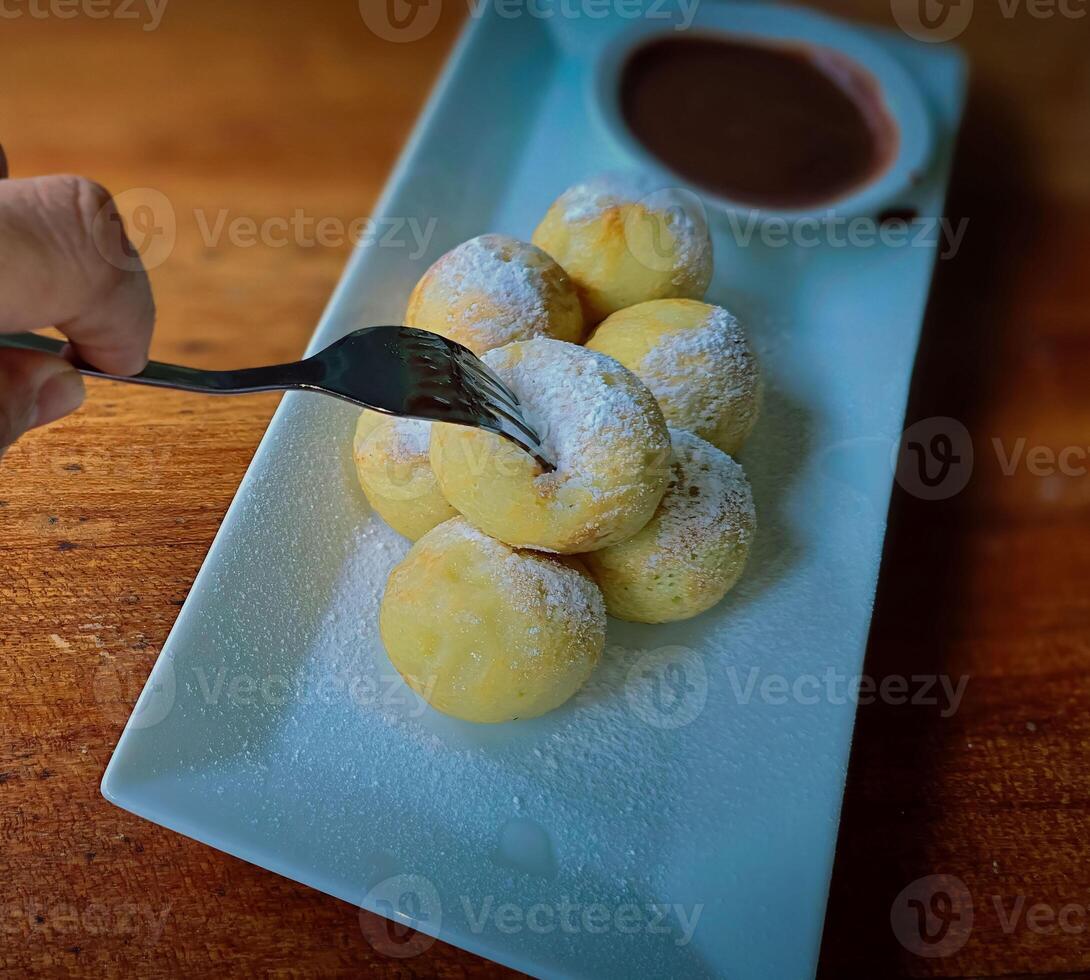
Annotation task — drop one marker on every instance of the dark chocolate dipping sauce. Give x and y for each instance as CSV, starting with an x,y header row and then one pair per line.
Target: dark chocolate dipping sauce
x,y
788,127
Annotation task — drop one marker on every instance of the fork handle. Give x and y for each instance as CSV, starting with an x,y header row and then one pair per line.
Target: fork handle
x,y
277,377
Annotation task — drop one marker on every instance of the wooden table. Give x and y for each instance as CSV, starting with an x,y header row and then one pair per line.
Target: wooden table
x,y
255,110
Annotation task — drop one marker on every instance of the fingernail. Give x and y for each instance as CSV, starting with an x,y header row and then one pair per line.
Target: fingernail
x,y
61,394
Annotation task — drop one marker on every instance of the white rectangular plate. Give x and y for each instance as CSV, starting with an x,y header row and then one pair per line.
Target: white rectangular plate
x,y
683,785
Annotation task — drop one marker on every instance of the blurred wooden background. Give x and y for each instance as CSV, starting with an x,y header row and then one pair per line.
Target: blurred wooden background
x,y
265,108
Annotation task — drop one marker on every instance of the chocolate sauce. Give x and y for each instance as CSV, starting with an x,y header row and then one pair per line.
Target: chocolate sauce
x,y
778,126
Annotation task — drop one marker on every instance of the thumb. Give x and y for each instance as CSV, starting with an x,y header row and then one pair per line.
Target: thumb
x,y
35,389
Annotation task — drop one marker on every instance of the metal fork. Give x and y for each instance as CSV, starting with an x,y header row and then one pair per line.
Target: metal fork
x,y
395,370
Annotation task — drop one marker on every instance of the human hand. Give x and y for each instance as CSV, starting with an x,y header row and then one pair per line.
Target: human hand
x,y
65,262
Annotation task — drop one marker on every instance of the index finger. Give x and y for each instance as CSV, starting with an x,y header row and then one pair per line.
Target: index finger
x,y
65,261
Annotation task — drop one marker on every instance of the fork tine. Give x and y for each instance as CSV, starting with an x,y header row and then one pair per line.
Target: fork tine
x,y
482,368
495,379
516,420
466,370
524,437
494,397
484,389
418,374
465,359
502,403
486,375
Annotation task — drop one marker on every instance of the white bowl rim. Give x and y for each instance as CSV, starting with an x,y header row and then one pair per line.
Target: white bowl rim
x,y
778,24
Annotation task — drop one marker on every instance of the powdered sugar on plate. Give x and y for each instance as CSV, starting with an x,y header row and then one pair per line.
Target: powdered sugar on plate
x,y
437,798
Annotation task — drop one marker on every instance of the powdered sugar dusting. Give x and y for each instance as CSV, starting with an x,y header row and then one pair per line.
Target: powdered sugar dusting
x,y
410,439
681,212
530,581
709,497
496,287
717,350
592,198
589,410
370,748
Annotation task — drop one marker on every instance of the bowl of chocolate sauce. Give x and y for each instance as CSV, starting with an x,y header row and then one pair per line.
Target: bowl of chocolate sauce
x,y
766,110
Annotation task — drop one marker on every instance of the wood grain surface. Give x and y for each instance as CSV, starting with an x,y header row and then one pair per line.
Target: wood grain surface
x,y
259,110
